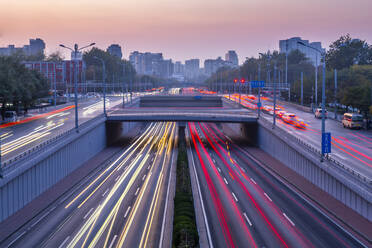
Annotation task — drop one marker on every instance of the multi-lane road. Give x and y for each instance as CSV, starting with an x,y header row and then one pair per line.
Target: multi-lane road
x,y
245,206
29,132
353,148
122,205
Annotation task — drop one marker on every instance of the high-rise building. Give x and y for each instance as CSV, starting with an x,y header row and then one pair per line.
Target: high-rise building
x,y
179,68
232,58
115,49
192,68
287,46
35,47
212,65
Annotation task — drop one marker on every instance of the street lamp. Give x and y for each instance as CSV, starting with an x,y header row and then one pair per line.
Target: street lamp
x,y
322,53
76,50
104,83
241,89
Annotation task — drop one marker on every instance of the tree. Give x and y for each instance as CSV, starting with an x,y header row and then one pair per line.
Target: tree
x,y
55,57
19,86
346,52
116,69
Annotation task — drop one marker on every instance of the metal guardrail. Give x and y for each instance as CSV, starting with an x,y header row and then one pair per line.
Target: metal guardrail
x,y
42,146
318,152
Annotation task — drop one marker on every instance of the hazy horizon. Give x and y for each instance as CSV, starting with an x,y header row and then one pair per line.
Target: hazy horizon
x,y
184,29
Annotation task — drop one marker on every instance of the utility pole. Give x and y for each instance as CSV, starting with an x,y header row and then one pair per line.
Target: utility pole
x,y
274,115
286,70
302,88
316,80
55,85
335,106
122,88
259,92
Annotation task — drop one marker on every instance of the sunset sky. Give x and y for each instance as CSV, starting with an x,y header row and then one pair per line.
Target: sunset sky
x,y
183,29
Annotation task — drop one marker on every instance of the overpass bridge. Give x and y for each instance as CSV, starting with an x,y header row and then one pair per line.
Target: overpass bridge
x,y
183,108
183,114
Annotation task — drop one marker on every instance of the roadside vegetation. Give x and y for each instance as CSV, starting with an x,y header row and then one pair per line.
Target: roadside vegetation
x,y
351,57
185,233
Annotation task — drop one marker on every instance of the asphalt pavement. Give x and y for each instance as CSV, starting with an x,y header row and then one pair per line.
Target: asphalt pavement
x,y
247,207
120,206
353,148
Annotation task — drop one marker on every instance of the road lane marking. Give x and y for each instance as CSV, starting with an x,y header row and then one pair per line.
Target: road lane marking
x,y
267,197
290,221
18,237
64,242
219,170
242,169
126,212
116,179
236,199
42,217
87,214
225,180
107,190
253,181
113,241
247,219
136,191
144,176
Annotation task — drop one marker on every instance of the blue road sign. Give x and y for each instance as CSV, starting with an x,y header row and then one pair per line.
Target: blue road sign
x,y
257,84
259,104
326,143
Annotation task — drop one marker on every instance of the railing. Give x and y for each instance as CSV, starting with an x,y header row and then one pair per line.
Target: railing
x,y
42,146
317,152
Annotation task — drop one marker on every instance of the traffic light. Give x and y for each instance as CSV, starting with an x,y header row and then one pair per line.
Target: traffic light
x,y
242,80
235,80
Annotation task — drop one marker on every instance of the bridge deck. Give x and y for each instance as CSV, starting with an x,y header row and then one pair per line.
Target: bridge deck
x,y
214,114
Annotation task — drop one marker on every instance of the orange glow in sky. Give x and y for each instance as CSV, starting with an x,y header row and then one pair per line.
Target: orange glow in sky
x,y
182,29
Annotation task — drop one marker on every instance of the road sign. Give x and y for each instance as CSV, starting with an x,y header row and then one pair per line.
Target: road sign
x,y
326,143
257,84
259,105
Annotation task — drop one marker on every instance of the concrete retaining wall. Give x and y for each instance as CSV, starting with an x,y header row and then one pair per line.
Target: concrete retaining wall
x,y
41,170
341,184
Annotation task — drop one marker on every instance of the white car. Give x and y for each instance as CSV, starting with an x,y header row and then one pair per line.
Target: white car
x,y
318,113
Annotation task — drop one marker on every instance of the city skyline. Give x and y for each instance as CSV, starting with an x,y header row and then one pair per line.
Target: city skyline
x,y
182,30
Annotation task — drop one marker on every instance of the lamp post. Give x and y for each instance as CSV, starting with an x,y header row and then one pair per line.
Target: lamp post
x,y
104,83
259,91
75,51
286,70
240,91
274,115
323,94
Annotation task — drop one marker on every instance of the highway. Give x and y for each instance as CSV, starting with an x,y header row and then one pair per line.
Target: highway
x,y
353,148
122,205
247,207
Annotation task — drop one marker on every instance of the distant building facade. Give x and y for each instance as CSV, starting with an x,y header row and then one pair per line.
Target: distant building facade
x,y
152,64
289,45
115,50
63,73
36,46
232,58
212,65
192,68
